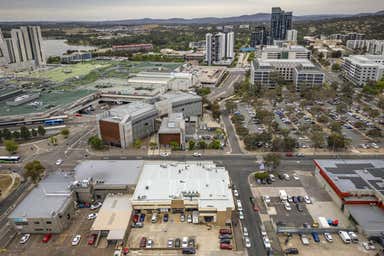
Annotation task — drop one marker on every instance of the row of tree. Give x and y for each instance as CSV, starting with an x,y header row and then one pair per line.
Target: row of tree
x,y
23,133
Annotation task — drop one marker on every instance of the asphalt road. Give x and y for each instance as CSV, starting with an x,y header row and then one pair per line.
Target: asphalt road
x,y
231,134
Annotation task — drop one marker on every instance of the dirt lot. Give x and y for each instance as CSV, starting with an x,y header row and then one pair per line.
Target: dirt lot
x,y
337,248
60,244
206,237
8,183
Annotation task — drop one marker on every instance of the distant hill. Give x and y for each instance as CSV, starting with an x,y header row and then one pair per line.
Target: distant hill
x,y
254,18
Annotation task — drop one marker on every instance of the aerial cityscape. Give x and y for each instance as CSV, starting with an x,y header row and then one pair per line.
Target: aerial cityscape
x,y
187,127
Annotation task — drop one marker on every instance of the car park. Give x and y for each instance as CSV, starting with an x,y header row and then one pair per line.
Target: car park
x,y
96,205
143,242
92,239
247,242
92,216
46,238
24,238
76,240
149,243
328,237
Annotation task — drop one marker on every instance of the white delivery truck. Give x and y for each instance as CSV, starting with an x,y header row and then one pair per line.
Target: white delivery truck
x,y
323,222
283,195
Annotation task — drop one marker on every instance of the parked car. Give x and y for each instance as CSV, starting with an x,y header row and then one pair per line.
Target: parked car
x,y
225,246
353,237
164,154
291,251
154,217
149,243
184,242
235,192
290,199
191,242
328,237
225,236
92,216
267,243
135,218
24,238
92,239
281,176
177,242
46,238
76,240
59,161
368,245
96,205
286,176
189,218
316,237
245,231
188,251
307,200
247,242
225,241
241,215
196,154
170,243
289,154
267,199
300,207
138,225
165,217
142,217
304,239
295,199
301,199
225,231
295,177
287,206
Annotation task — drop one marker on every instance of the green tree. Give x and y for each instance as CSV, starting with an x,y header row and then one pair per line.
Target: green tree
x,y
374,133
202,144
203,91
215,144
53,140
7,134
34,170
65,132
261,175
191,144
230,106
380,103
153,145
96,143
34,132
25,133
11,146
317,138
137,143
174,145
272,160
335,67
41,130
215,108
335,126
337,141
16,134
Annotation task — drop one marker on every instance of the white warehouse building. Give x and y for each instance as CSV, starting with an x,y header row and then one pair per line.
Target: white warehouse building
x,y
359,69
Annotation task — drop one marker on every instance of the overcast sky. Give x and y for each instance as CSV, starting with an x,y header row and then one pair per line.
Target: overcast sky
x,y
64,10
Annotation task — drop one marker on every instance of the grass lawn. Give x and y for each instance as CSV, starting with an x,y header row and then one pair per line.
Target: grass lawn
x,y
60,74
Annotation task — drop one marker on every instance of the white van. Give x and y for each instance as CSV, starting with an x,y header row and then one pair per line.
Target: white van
x,y
345,237
239,205
154,217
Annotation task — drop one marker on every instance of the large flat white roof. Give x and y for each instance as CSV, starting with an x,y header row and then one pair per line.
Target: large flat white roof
x,y
160,182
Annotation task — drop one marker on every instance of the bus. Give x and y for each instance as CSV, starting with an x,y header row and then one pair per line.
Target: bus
x,y
9,159
53,122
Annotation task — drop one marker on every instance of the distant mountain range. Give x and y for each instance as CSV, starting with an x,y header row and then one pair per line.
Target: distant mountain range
x,y
258,17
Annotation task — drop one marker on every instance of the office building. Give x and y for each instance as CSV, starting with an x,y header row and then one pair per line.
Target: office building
x,y
374,47
292,35
356,186
4,58
281,21
346,37
300,71
197,45
201,188
258,37
191,105
359,69
133,47
172,130
220,48
123,125
76,57
48,208
169,81
289,52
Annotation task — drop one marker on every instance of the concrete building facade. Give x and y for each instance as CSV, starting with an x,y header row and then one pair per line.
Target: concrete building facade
x,y
172,130
281,22
359,69
220,48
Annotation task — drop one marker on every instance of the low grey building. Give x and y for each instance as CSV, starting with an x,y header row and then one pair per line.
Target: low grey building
x,y
187,103
96,178
172,130
48,208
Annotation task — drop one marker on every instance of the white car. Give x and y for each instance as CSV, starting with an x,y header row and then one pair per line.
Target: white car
x,y
235,192
267,243
184,242
170,243
245,231
241,215
92,216
287,206
149,243
328,237
295,177
24,238
307,200
59,161
189,218
76,240
247,242
290,199
96,205
267,199
196,154
164,154
368,246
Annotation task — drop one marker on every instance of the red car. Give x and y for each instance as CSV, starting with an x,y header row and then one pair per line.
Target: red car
x,y
92,239
143,242
78,115
225,246
225,231
46,238
135,218
255,208
289,154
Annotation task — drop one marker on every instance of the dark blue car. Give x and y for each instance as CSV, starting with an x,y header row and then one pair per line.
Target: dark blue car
x,y
142,217
165,219
316,237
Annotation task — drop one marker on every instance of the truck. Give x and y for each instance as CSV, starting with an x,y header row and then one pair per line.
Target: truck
x,y
283,195
323,222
